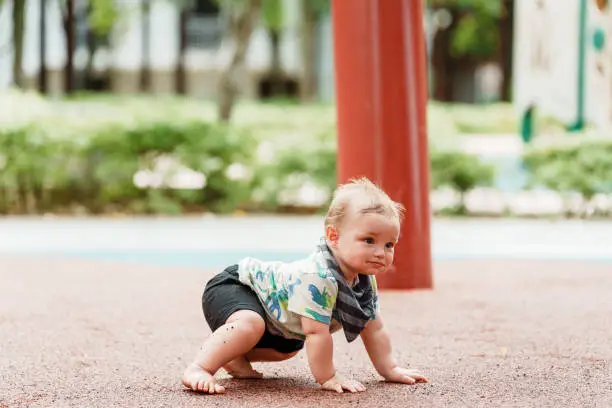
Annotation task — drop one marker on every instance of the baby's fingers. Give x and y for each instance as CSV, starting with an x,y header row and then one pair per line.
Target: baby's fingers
x,y
419,377
414,374
406,379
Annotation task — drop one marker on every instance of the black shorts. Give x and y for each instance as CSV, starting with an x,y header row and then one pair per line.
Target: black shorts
x,y
225,294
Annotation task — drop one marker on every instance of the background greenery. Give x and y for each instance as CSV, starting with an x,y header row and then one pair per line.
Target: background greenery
x,y
81,155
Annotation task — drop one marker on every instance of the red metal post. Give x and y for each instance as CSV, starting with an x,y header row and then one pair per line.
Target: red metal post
x,y
381,98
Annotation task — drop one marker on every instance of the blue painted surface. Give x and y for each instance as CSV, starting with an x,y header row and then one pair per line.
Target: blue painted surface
x,y
217,242
511,174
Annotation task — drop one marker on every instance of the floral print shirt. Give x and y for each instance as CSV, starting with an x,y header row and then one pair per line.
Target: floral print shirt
x,y
291,290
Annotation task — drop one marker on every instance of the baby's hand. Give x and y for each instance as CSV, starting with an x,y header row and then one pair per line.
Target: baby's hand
x,y
404,375
339,383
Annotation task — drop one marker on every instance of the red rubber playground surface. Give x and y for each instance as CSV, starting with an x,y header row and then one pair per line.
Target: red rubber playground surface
x,y
492,333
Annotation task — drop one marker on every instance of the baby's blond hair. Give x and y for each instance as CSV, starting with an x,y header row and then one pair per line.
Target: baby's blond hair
x,y
366,198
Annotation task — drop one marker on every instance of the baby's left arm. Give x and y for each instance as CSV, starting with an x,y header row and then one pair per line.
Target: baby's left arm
x,y
378,345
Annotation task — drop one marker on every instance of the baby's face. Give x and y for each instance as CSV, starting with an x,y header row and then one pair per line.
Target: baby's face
x,y
366,242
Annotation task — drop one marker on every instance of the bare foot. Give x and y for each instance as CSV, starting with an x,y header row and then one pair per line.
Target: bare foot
x,y
241,368
199,380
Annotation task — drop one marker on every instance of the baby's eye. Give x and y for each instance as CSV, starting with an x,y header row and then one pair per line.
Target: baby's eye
x,y
390,245
369,240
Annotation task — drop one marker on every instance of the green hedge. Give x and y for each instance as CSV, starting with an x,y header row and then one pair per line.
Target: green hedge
x,y
109,170
583,167
461,172
95,173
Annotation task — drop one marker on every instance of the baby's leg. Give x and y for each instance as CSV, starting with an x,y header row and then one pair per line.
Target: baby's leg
x,y
268,354
241,366
240,333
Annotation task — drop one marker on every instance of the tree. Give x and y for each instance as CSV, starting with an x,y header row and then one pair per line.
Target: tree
x,y
102,15
19,7
186,8
242,15
179,75
69,33
469,37
145,68
311,10
101,18
506,49
42,73
273,19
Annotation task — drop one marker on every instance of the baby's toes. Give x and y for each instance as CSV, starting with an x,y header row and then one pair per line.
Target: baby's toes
x,y
202,385
214,388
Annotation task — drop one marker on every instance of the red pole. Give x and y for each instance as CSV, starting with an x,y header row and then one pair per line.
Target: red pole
x,y
381,98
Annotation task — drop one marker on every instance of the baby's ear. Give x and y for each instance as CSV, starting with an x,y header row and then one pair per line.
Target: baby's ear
x,y
331,233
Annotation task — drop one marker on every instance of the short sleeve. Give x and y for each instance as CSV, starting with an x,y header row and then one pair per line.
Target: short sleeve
x,y
314,296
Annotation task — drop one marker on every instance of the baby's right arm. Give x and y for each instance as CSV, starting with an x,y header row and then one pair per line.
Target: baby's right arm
x,y
320,348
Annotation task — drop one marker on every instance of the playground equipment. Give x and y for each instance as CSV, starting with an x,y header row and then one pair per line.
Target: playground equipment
x,y
381,98
563,62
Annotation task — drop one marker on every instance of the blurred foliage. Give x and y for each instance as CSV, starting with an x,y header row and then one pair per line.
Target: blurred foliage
x,y
272,14
475,33
277,183
80,156
460,171
583,168
96,173
103,15
40,173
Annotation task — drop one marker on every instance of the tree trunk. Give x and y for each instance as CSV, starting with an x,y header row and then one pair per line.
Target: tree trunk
x,y
308,28
92,47
442,74
277,80
18,34
42,74
506,48
145,68
241,24
443,64
70,45
179,78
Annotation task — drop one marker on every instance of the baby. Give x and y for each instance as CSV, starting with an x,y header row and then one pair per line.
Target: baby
x,y
268,311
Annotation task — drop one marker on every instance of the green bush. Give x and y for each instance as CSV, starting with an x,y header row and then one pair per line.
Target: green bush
x,y
36,171
584,168
39,173
460,171
202,147
131,167
292,167
315,162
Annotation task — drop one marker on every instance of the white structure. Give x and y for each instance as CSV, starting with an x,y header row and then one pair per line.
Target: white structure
x,y
563,60
206,53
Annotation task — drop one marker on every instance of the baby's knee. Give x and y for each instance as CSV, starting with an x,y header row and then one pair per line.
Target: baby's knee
x,y
248,322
